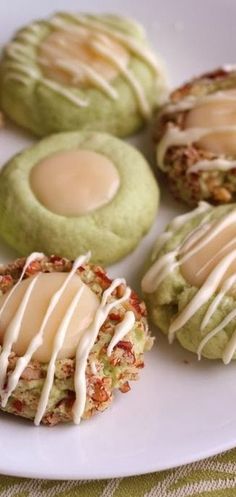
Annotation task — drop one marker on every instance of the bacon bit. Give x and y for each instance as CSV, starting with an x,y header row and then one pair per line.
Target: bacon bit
x,y
68,370
135,303
222,195
55,258
125,387
122,344
220,72
33,268
139,365
102,276
57,261
115,316
32,372
120,291
63,411
17,405
6,281
81,269
68,401
100,393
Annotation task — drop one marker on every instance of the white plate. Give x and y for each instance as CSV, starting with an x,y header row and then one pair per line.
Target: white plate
x,y
180,410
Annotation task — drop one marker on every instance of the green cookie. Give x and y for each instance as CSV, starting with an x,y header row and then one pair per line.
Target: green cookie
x,y
84,72
190,285
113,224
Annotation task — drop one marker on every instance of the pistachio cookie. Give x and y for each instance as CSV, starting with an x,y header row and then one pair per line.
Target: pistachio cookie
x,y
196,138
190,287
69,337
77,71
74,192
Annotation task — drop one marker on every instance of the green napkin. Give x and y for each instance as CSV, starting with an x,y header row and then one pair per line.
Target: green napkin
x,y
215,477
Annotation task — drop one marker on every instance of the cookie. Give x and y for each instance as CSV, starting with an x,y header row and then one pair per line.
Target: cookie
x,y
190,287
69,337
74,192
195,139
78,71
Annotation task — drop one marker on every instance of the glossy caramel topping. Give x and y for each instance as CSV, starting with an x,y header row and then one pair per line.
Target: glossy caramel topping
x,y
63,56
74,183
44,289
207,254
214,114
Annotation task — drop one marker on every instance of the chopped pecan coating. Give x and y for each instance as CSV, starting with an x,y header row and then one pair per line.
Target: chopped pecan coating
x,y
215,186
103,373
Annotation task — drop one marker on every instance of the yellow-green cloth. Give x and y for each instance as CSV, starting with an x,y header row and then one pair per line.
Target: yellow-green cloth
x,y
214,477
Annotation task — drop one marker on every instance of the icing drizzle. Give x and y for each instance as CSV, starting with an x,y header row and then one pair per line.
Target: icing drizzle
x,y
213,288
174,136
84,347
21,59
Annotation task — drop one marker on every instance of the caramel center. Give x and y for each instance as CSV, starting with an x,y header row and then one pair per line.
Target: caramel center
x,y
74,183
62,55
46,286
198,266
215,114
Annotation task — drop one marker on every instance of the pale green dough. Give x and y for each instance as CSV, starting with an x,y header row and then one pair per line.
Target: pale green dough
x,y
110,232
174,293
28,101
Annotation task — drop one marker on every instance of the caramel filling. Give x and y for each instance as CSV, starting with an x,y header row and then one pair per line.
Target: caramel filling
x,y
216,114
74,183
63,54
43,291
196,268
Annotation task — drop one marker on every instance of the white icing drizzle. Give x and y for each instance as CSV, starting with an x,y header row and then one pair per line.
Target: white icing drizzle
x,y
86,342
121,330
160,269
180,221
38,338
20,52
212,286
64,92
93,76
232,242
58,343
192,101
98,25
12,331
20,56
226,287
229,349
217,329
29,37
138,89
35,256
52,85
17,77
161,240
220,164
203,294
175,137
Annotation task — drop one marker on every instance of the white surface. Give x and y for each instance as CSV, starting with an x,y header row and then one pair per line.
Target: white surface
x,y
179,411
